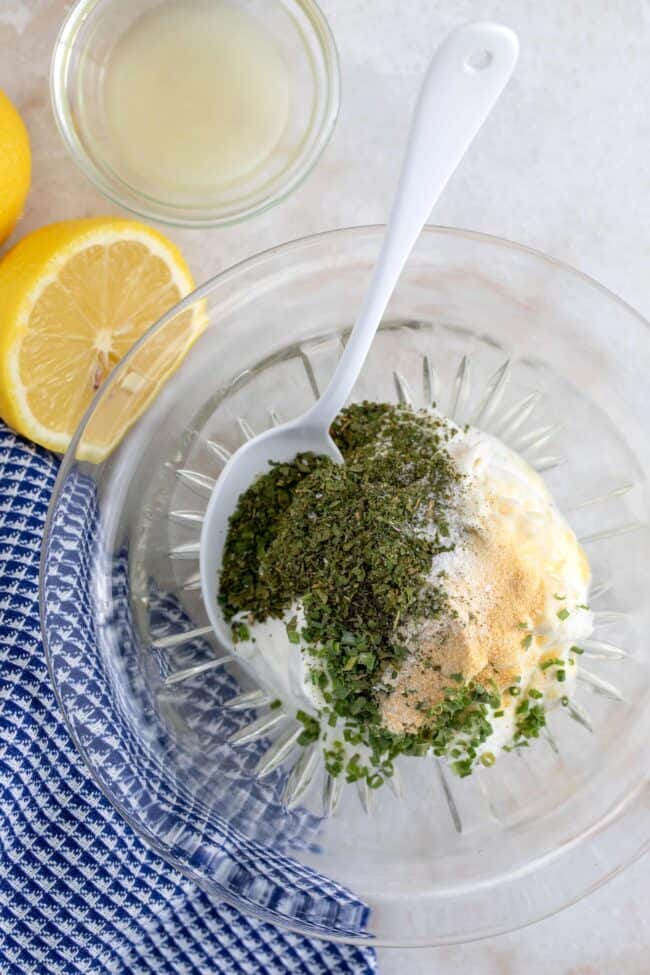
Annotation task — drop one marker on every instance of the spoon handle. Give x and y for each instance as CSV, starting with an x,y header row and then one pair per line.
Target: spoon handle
x,y
464,80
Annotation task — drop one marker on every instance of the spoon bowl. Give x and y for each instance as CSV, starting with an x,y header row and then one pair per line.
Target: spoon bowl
x,y
275,446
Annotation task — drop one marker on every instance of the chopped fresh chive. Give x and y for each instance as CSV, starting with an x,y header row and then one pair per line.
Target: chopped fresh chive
x,y
311,730
488,759
530,722
533,692
274,705
526,642
563,614
551,662
560,675
577,650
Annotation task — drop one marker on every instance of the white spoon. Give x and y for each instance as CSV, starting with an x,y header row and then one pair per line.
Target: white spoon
x,y
465,78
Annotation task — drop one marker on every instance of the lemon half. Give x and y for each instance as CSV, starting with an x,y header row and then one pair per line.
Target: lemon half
x,y
75,297
15,166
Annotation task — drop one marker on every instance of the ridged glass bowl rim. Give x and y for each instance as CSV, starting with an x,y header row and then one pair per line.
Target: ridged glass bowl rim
x,y
178,216
615,822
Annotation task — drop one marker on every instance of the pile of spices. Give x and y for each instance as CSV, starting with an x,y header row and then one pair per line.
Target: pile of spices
x,y
353,544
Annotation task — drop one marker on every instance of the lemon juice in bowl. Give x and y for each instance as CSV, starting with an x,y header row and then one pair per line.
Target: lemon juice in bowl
x,y
196,96
197,113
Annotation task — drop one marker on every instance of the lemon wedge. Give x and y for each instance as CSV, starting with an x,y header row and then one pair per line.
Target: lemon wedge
x,y
75,297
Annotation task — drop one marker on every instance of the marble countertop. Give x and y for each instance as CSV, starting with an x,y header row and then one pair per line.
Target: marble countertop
x,y
563,166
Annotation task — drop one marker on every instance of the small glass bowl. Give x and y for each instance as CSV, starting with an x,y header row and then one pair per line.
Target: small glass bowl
x,y
84,46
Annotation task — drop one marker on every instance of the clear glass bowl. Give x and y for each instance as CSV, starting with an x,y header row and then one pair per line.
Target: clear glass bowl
x,y
84,46
186,747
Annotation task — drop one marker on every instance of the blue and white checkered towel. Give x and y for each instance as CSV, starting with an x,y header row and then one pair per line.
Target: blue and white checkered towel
x,y
79,892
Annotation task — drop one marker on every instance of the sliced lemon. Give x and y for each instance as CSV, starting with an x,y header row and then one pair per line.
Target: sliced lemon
x,y
75,297
15,166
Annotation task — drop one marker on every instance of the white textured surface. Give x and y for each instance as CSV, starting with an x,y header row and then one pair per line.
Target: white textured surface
x,y
563,165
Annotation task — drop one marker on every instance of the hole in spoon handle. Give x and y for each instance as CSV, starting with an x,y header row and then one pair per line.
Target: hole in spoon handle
x,y
479,60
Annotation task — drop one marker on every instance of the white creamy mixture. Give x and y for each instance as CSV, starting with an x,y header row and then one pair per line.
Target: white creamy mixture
x,y
517,580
